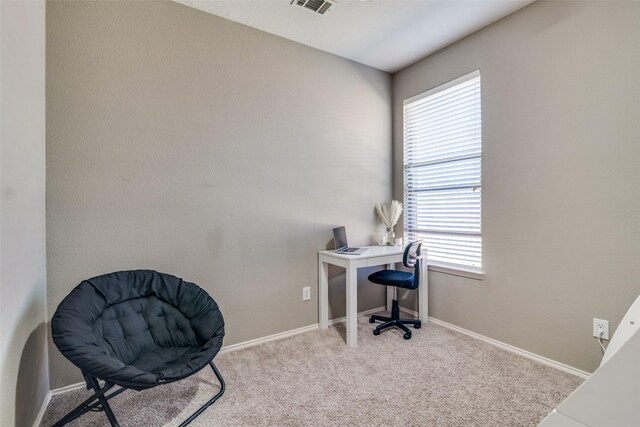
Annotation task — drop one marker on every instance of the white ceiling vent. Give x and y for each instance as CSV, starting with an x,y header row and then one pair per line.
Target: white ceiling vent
x,y
319,6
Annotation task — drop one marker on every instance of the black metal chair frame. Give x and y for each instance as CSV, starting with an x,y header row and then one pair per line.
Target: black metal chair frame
x,y
99,401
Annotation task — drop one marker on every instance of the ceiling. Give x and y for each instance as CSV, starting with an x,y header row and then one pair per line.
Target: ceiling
x,y
384,34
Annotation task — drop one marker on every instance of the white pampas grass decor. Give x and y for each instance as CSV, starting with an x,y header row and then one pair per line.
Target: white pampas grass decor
x,y
389,215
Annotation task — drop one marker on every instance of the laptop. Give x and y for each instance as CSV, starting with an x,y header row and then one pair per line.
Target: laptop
x,y
342,247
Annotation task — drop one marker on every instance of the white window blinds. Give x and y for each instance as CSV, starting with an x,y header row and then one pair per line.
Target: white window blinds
x,y
442,179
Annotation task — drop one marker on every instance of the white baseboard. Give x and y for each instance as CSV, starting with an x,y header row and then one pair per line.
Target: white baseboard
x,y
286,334
233,347
50,394
67,388
43,408
268,338
524,353
360,314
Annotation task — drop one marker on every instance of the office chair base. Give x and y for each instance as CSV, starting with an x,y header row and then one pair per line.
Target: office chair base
x,y
396,321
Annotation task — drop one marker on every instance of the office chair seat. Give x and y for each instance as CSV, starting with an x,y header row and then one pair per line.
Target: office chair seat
x,y
400,279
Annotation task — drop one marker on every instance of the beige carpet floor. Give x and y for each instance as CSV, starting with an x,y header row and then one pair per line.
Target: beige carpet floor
x,y
438,378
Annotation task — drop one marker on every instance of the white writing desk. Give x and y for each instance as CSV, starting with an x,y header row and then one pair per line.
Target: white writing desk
x,y
375,256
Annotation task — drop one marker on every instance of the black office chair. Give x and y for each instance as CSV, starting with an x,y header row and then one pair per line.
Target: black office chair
x,y
399,279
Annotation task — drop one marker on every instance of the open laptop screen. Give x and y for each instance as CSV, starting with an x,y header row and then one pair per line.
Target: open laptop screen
x,y
340,238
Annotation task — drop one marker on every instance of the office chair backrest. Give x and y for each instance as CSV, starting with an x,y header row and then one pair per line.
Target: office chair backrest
x,y
411,258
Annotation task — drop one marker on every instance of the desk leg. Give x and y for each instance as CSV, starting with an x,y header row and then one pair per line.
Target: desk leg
x,y
390,289
423,290
352,306
323,294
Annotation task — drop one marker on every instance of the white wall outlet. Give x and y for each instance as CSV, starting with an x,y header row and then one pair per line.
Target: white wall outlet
x,y
601,326
306,293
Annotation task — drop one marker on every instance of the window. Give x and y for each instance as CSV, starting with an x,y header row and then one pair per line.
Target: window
x,y
442,172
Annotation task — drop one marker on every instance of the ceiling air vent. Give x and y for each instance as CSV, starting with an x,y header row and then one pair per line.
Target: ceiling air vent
x,y
319,6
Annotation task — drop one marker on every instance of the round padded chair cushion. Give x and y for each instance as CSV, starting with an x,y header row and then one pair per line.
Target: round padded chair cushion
x,y
401,279
138,328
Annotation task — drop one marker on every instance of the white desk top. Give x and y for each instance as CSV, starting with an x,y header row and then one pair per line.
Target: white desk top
x,y
373,252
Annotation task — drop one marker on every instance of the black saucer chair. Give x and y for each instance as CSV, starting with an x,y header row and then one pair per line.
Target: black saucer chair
x,y
137,330
411,258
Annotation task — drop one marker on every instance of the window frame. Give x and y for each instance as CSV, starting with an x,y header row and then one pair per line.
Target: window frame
x,y
439,265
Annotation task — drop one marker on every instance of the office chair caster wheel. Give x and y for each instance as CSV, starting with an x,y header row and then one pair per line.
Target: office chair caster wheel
x,y
407,336
376,332
372,320
417,326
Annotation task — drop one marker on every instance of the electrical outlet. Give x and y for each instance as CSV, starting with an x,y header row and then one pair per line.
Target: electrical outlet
x,y
601,326
306,293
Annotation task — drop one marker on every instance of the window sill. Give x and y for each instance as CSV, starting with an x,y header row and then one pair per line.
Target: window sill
x,y
469,273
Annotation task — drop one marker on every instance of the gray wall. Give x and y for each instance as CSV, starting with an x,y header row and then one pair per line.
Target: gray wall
x,y
24,377
561,151
183,142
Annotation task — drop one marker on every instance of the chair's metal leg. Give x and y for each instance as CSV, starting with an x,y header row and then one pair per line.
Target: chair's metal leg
x,y
386,325
210,402
378,318
100,400
390,323
97,404
85,406
104,403
401,326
